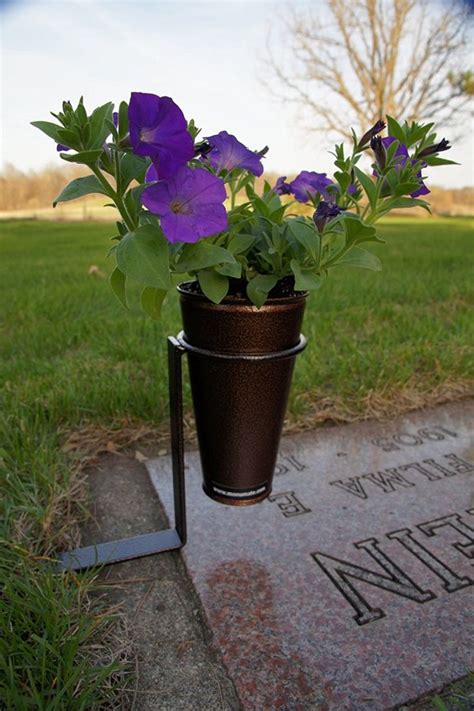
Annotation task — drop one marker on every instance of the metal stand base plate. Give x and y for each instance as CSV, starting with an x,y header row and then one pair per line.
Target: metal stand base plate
x,y
157,541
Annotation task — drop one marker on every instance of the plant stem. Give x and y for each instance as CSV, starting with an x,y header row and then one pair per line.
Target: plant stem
x,y
115,196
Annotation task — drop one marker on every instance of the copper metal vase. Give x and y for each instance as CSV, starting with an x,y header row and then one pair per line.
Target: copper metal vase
x,y
239,403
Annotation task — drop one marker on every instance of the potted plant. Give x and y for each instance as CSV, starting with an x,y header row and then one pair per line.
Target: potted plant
x,y
190,207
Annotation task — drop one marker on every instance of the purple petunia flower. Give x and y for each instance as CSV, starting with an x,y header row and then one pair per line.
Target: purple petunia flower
x,y
158,129
402,153
190,204
305,186
324,212
227,153
281,187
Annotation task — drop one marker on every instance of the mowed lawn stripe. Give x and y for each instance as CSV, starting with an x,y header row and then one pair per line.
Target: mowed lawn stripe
x,y
68,342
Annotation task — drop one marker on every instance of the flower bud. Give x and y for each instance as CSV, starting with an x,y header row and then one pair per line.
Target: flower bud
x,y
376,128
323,214
379,151
443,145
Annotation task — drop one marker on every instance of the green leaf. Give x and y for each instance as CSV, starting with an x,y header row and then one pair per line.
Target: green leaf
x,y
368,185
81,113
240,243
416,132
390,154
307,235
112,130
231,270
215,286
132,168
305,279
118,282
69,138
79,187
356,230
201,256
143,256
358,257
278,214
98,127
402,202
434,160
50,129
394,129
152,301
85,157
405,189
123,119
272,201
344,180
278,239
259,287
259,205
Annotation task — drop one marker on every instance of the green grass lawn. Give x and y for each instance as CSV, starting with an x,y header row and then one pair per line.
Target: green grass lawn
x,y
71,356
69,348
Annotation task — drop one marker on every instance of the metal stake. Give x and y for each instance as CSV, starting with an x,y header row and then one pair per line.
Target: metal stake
x,y
157,541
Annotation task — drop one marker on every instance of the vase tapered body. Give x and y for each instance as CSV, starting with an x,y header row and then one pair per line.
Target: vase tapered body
x,y
239,404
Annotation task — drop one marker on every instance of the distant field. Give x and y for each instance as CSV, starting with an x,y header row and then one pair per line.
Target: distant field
x,y
78,370
377,341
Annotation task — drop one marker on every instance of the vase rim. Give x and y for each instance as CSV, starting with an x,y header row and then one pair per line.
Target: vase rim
x,y
233,299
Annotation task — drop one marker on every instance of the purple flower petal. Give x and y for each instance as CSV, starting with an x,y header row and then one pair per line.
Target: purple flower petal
x,y
210,222
422,190
179,228
228,153
151,174
158,129
157,198
281,187
61,147
190,204
308,183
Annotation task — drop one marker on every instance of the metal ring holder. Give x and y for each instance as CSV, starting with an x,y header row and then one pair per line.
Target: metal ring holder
x,y
171,538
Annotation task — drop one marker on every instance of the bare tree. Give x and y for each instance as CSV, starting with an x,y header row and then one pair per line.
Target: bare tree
x,y
350,63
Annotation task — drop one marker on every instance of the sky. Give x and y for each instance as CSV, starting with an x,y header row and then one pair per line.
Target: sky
x,y
207,55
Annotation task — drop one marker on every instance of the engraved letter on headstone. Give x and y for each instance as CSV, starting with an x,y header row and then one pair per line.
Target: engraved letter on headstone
x,y
459,465
289,504
388,479
451,581
396,581
456,522
351,485
422,470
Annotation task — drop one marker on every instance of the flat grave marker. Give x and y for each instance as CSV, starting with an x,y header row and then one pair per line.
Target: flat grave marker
x,y
351,586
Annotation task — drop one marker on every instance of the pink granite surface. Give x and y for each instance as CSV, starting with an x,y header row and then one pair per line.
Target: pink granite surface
x,y
352,588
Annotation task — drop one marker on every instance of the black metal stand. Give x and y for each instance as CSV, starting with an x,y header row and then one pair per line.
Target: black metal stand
x,y
157,541
171,538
